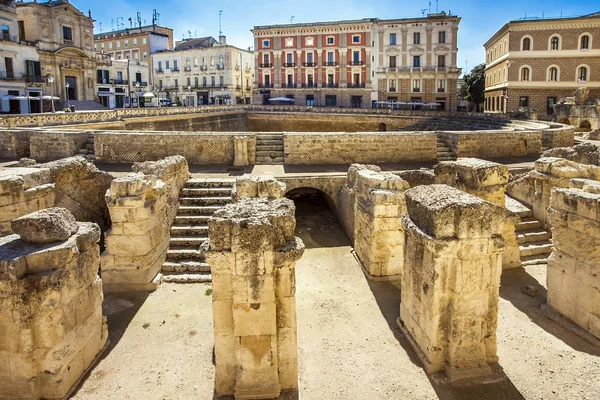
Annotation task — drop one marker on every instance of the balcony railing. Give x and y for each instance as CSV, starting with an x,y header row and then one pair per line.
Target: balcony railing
x,y
220,66
441,90
289,65
141,84
392,69
238,87
248,89
159,70
392,89
288,85
266,65
203,67
416,90
9,38
10,77
356,85
187,68
34,79
309,85
330,64
331,85
175,69
119,81
265,85
357,63
309,64
103,81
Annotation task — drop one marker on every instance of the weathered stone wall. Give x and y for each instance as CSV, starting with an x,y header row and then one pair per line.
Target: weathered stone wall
x,y
137,243
493,144
47,145
252,252
330,186
574,265
451,280
14,143
174,172
206,148
51,324
378,232
366,147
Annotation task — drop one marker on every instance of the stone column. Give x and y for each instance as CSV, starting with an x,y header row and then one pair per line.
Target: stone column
x,y
451,280
252,252
51,323
489,181
378,233
574,265
240,151
137,243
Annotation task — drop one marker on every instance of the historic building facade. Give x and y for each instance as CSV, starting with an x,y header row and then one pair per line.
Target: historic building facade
x,y
63,36
324,63
532,64
417,60
204,71
121,83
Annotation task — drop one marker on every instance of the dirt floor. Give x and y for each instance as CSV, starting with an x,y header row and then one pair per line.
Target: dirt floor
x,y
349,345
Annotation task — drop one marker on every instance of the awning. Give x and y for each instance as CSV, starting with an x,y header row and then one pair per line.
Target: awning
x,y
105,94
148,95
281,99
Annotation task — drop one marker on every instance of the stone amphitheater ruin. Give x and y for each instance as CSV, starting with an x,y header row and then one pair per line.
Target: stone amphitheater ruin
x,y
286,252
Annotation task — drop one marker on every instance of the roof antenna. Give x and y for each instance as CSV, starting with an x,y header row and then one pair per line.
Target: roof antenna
x,y
100,23
139,19
112,24
423,11
429,6
130,22
220,31
292,19
437,6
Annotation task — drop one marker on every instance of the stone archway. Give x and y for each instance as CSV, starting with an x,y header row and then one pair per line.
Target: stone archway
x,y
585,126
382,127
565,121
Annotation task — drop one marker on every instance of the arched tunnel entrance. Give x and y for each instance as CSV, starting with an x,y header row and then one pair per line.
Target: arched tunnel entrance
x,y
316,223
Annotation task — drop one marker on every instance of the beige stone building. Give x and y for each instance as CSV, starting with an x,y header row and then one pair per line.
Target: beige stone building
x,y
204,71
121,83
532,64
417,59
63,36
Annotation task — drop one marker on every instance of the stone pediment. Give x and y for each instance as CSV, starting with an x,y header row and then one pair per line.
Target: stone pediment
x,y
441,48
416,49
394,49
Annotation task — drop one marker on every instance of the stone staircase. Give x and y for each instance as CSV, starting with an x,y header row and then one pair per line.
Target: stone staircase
x,y
269,148
443,151
82,105
199,200
534,241
87,151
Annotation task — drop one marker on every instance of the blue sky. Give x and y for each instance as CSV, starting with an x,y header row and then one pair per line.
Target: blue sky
x,y
480,19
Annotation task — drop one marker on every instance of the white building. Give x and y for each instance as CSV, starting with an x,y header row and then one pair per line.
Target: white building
x,y
204,71
20,72
120,83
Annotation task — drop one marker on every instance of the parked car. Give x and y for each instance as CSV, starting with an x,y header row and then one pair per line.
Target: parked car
x,y
165,102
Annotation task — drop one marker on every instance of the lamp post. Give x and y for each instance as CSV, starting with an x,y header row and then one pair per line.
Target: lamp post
x,y
51,81
67,91
137,93
189,96
222,96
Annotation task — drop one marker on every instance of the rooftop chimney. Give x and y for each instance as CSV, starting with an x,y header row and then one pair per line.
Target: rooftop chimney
x,y
222,39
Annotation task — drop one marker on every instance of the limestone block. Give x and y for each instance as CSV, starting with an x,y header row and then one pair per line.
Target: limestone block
x,y
451,279
45,226
52,328
240,151
484,179
259,186
252,252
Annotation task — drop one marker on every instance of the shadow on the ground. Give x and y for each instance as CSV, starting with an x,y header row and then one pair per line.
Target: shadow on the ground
x,y
512,282
288,395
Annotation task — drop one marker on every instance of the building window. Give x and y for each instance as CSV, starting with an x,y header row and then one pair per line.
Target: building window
x,y
221,81
356,57
196,62
213,81
110,45
95,47
526,44
550,102
330,40
289,42
310,79
266,58
160,84
187,62
417,61
584,42
416,85
143,40
441,87
553,74
196,81
67,34
134,41
524,101
5,33
309,41
330,57
525,74
392,39
392,85
309,58
442,37
204,81
177,83
118,44
167,64
330,100
356,39
145,55
554,43
330,79
290,80
392,61
441,60
126,43
266,43
189,81
582,74
289,59
417,38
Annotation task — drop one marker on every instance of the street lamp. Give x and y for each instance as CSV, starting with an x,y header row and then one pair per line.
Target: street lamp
x,y
67,91
189,96
222,96
137,93
51,81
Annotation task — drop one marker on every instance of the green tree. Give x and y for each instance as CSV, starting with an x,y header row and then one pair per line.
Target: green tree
x,y
474,86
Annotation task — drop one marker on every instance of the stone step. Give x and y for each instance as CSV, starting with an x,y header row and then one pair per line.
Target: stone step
x,y
278,147
269,136
189,254
89,146
197,210
189,230
270,154
534,260
210,183
193,220
186,241
445,154
210,192
443,150
528,224
185,266
204,201
199,277
269,142
269,161
82,151
533,236
534,249
446,158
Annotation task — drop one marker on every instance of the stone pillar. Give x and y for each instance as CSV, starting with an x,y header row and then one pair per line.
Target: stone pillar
x,y
489,181
240,151
252,252
574,265
378,233
51,323
137,243
451,280
259,186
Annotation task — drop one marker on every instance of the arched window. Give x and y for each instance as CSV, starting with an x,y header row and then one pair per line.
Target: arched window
x,y
526,44
525,74
585,42
553,74
554,43
582,74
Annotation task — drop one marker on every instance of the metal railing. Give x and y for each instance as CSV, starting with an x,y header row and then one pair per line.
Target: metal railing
x,y
159,70
330,64
356,85
309,85
34,79
266,65
289,65
309,64
356,63
11,77
331,85
288,85
265,85
187,68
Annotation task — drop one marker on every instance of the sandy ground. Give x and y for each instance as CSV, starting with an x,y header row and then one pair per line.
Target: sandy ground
x,y
349,346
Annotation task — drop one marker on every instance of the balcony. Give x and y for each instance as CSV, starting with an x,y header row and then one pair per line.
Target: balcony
x,y
238,87
441,90
266,65
415,69
288,85
354,63
187,69
34,79
141,84
416,90
330,64
309,85
309,64
265,85
331,85
203,67
159,70
220,66
356,85
102,81
248,89
119,81
289,65
392,89
10,77
175,69
392,69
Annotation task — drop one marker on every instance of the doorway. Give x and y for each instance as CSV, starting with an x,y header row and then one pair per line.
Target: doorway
x,y
72,89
